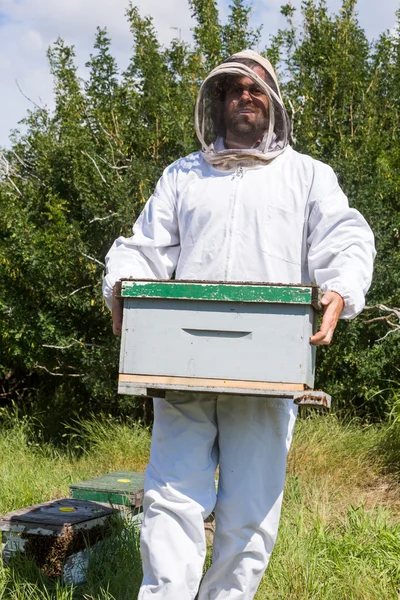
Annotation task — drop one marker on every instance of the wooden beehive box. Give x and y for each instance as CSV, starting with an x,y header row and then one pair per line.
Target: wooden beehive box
x,y
58,535
249,339
119,489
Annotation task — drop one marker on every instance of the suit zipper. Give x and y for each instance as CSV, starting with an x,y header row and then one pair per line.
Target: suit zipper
x,y
237,177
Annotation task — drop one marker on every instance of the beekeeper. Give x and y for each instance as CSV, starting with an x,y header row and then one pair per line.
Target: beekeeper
x,y
247,207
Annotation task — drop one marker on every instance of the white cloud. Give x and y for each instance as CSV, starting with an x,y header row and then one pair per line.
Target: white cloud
x,y
33,41
29,27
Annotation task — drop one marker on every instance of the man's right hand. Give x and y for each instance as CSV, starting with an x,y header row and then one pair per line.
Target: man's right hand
x,y
116,310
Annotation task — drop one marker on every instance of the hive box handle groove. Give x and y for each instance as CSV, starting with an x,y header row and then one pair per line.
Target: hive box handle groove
x,y
218,333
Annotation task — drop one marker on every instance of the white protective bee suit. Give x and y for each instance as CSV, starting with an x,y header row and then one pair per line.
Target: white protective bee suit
x,y
267,214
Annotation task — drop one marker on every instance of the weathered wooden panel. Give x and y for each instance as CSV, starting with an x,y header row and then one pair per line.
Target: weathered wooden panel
x,y
227,384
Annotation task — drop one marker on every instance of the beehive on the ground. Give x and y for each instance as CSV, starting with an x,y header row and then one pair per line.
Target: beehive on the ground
x,y
124,491
245,339
119,489
58,535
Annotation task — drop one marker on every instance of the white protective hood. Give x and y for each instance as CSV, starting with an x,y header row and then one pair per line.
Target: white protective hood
x,y
209,110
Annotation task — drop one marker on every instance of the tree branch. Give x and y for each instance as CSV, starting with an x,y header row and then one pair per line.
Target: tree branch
x,y
384,308
96,166
292,120
59,374
115,214
388,333
70,345
94,260
392,313
14,186
8,171
59,347
27,97
120,168
84,287
378,319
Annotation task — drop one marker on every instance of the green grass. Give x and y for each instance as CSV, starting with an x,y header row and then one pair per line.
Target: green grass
x,y
339,537
31,472
353,557
340,531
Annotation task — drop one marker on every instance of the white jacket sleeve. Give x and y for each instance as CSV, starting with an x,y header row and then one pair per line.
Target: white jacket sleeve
x,y
153,250
341,247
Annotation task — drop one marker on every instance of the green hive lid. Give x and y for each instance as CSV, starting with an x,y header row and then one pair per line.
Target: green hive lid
x,y
225,292
121,487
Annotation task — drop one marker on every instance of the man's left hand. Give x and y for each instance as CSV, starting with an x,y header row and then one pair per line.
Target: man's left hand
x,y
333,305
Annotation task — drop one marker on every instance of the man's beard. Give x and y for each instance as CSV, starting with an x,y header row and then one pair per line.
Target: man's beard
x,y
240,125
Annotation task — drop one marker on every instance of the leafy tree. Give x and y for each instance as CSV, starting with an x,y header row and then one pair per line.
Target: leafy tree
x,y
79,176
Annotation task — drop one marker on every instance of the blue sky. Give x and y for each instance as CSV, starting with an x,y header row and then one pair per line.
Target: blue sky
x,y
28,27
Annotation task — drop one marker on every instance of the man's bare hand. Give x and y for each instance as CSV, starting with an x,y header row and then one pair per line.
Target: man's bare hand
x,y
116,308
333,305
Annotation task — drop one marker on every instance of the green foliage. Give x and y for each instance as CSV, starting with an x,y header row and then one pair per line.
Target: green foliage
x,y
237,33
75,181
79,176
207,32
344,94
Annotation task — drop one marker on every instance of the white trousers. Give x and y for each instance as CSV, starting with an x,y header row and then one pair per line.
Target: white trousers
x,y
249,439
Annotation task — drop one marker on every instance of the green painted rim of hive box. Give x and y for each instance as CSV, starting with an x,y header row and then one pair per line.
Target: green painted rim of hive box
x,y
222,292
110,498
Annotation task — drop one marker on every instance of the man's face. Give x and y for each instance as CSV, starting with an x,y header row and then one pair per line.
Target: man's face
x,y
245,112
